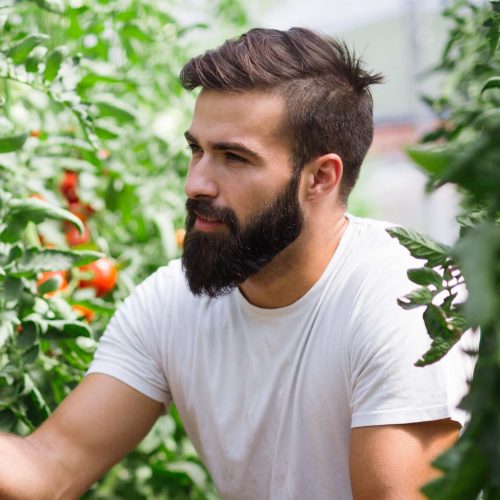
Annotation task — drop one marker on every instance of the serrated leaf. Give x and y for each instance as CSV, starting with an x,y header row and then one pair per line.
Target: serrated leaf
x,y
37,210
53,64
439,348
13,143
422,246
20,50
417,298
426,276
436,324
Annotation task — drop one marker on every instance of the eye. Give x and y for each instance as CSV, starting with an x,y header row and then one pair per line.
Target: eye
x,y
195,149
234,157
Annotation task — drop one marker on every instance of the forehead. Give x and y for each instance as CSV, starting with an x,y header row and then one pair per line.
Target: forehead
x,y
253,118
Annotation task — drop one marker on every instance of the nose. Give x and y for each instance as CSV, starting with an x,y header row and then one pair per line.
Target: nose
x,y
200,181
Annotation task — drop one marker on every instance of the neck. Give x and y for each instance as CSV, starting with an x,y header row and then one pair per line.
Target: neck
x,y
292,273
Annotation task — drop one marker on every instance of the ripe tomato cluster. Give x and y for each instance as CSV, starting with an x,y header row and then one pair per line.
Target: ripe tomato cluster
x,y
69,189
100,275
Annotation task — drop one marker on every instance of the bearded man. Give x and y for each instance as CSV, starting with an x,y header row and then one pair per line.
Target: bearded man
x,y
277,335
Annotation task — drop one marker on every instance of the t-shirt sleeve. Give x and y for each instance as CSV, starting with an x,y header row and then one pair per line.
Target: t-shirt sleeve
x,y
385,385
129,349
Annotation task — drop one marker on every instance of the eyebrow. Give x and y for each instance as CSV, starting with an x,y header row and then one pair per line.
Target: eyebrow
x,y
225,146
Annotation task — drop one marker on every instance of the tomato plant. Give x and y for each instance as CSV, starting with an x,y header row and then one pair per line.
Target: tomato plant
x,y
91,111
465,151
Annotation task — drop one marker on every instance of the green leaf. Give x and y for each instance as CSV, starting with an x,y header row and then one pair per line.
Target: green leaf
x,y
491,83
37,409
62,329
7,420
97,305
436,324
53,64
13,143
417,298
31,354
111,106
12,291
439,348
50,285
426,276
20,50
434,160
13,230
422,246
478,254
28,335
6,331
488,118
466,470
38,210
50,259
55,6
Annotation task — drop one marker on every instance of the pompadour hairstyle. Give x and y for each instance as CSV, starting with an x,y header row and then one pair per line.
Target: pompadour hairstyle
x,y
329,107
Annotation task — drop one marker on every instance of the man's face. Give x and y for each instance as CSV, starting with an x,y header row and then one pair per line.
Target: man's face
x,y
242,205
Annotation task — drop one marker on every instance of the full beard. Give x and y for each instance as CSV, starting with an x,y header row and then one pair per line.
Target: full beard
x,y
216,263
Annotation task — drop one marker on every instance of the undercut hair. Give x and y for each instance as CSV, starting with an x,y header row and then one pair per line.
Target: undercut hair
x,y
328,104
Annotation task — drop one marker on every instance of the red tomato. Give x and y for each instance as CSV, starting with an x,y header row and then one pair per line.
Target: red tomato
x,y
104,276
81,210
36,133
73,236
63,282
84,312
69,185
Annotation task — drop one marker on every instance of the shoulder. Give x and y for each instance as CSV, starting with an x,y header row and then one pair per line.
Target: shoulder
x,y
375,261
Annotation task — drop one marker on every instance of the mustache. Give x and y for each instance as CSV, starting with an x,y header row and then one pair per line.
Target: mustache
x,y
206,209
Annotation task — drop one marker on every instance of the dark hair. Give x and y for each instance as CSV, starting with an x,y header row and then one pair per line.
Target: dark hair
x,y
328,103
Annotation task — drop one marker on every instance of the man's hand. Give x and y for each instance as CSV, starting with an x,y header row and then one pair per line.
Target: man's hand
x,y
95,426
392,462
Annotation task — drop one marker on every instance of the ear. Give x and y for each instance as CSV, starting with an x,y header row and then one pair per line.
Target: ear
x,y
322,176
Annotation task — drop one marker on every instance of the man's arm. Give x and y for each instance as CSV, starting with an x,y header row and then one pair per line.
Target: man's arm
x,y
95,426
391,462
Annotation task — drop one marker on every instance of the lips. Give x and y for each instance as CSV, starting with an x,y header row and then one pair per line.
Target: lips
x,y
205,218
206,224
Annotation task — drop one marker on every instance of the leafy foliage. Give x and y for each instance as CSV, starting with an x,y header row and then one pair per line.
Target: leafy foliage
x,y
465,150
91,164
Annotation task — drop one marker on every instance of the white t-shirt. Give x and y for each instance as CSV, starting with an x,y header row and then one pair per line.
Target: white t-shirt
x,y
268,396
